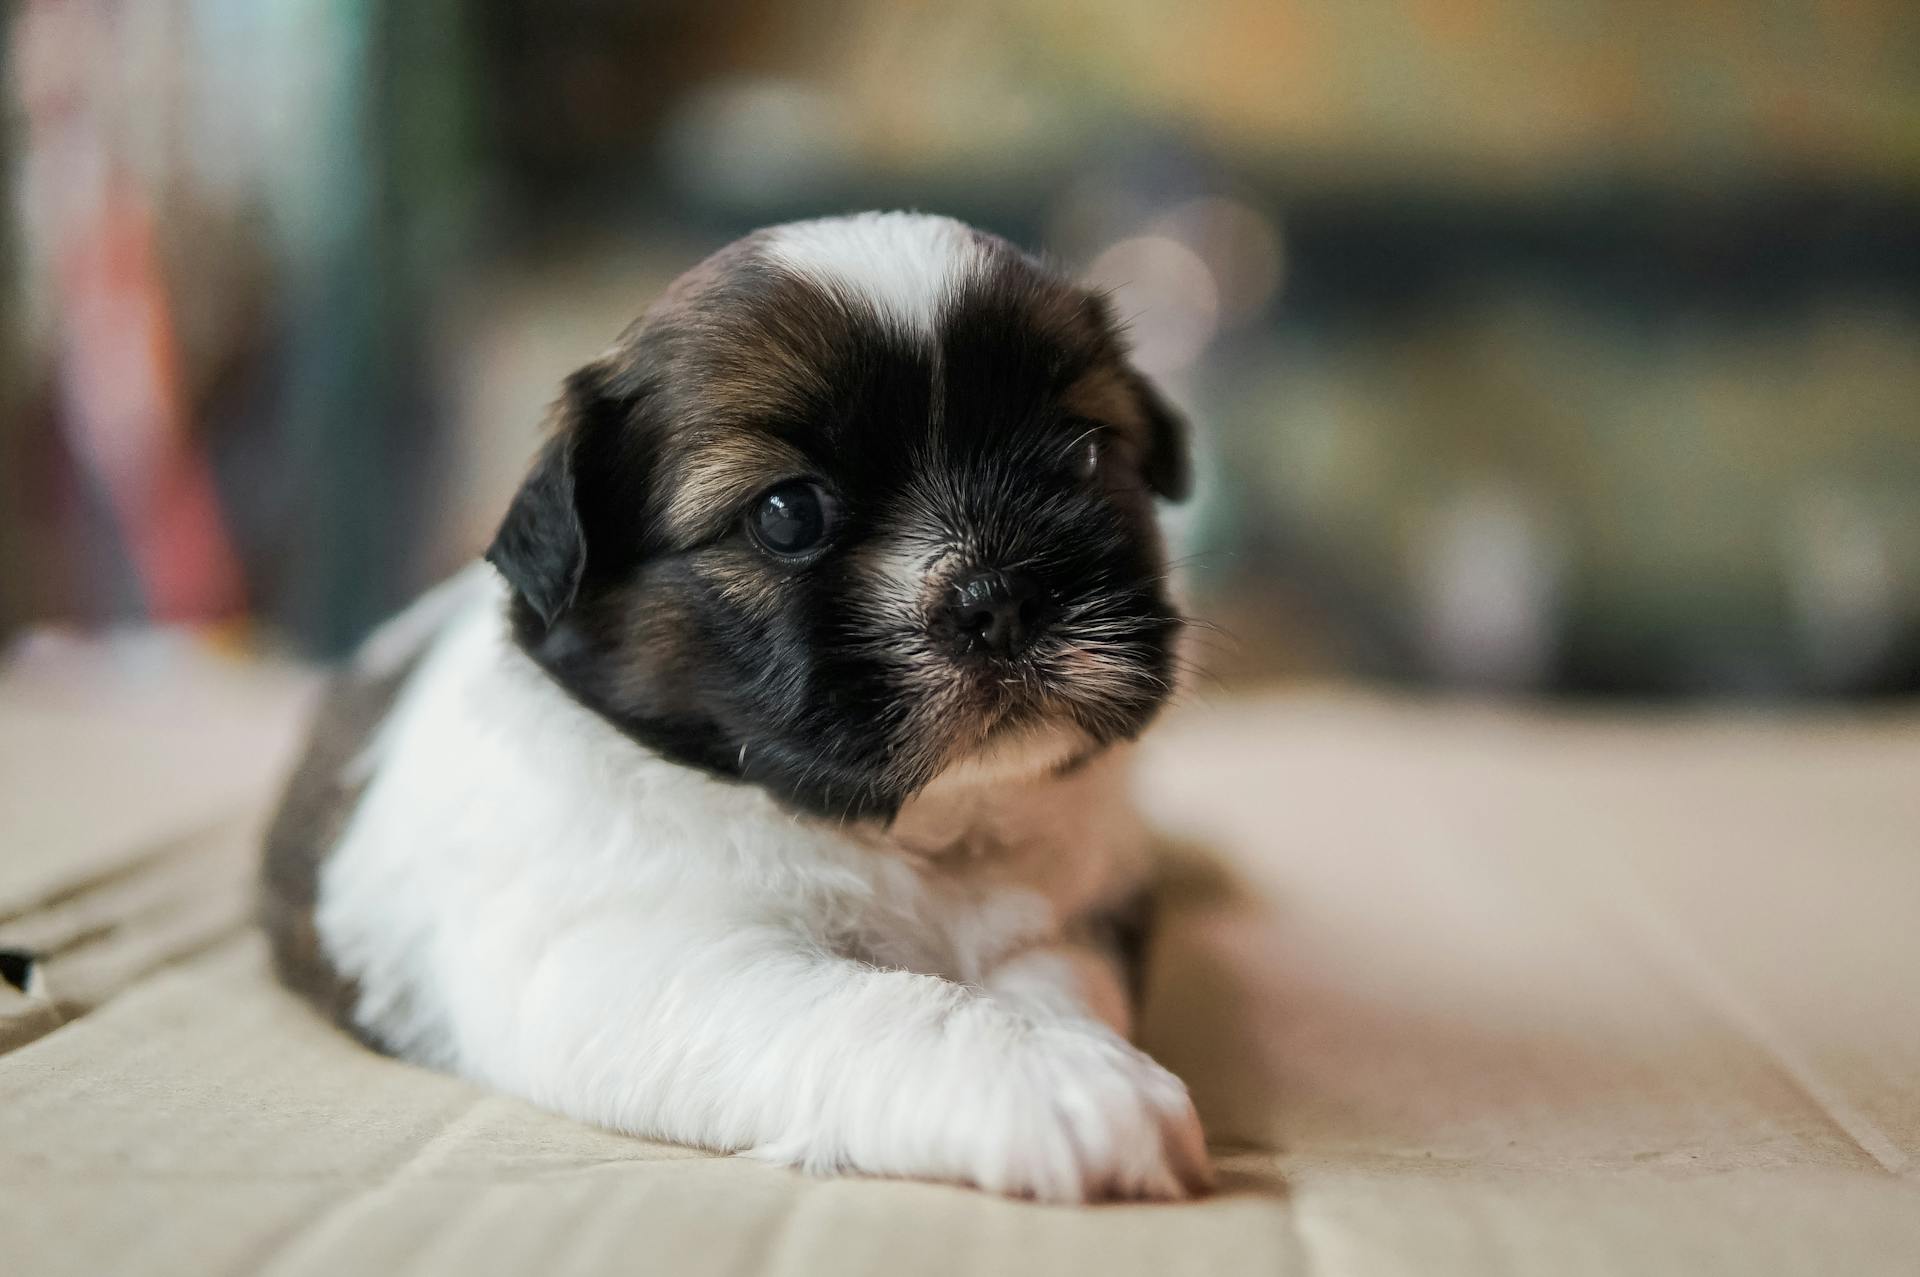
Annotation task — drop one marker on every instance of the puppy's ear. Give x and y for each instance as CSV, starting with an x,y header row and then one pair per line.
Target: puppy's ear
x,y
1168,465
542,547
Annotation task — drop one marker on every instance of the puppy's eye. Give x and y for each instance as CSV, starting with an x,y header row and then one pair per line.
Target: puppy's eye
x,y
791,519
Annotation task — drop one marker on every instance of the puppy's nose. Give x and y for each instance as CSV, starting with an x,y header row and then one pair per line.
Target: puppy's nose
x,y
998,610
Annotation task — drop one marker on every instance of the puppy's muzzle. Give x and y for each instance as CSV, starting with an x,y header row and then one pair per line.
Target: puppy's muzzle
x,y
997,613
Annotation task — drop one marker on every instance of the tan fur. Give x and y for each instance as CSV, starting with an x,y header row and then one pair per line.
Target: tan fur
x,y
719,469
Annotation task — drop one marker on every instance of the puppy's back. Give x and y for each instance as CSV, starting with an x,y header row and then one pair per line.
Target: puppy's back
x,y
324,789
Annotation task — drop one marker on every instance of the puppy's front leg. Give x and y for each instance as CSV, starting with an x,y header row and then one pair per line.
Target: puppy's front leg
x,y
754,1039
1070,979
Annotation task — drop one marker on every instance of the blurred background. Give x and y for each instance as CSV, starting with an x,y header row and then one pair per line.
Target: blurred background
x,y
1557,348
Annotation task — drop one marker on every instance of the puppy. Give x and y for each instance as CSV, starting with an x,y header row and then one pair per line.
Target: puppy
x,y
763,788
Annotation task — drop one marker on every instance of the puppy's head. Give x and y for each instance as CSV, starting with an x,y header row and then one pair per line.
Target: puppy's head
x,y
856,504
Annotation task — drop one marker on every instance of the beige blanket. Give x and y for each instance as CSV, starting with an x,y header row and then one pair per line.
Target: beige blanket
x,y
1459,991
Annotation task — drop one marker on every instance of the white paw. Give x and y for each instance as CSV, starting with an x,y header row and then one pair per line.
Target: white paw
x,y
1059,1112
1080,1115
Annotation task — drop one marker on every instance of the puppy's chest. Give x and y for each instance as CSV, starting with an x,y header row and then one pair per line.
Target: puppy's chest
x,y
978,845
969,888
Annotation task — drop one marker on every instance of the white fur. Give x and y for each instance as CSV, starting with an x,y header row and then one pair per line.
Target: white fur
x,y
904,265
399,639
528,897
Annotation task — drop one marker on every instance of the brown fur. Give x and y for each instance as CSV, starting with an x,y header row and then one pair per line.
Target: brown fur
x,y
314,810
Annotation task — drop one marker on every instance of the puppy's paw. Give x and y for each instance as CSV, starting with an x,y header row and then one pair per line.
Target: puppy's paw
x,y
1077,1114
1059,1111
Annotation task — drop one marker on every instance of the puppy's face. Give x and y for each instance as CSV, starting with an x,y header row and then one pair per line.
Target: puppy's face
x,y
858,503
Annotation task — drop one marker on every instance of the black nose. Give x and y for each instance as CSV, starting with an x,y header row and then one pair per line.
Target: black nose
x,y
996,610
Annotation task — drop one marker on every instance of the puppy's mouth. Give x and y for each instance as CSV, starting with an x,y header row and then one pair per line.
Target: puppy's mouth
x,y
992,674
1092,683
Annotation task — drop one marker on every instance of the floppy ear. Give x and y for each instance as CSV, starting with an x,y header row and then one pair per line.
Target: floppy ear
x,y
541,548
1168,465
542,545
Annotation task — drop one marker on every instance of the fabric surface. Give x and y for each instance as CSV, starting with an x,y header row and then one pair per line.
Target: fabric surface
x,y
1457,990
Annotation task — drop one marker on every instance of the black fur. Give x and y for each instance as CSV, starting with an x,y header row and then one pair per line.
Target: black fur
x,y
541,548
1168,465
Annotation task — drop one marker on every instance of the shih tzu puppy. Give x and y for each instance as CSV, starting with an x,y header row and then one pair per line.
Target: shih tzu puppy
x,y
763,788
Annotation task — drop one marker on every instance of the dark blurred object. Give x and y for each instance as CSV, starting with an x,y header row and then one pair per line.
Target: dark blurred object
x,y
232,213
1536,349
1628,441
